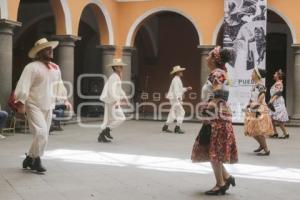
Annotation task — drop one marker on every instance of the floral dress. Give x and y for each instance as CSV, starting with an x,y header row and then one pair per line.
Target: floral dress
x,y
257,118
280,114
222,146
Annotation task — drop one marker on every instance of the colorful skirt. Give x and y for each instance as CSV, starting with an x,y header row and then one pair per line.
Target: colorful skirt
x,y
222,146
280,114
259,124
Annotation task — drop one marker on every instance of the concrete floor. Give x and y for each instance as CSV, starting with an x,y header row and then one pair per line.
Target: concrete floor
x,y
142,163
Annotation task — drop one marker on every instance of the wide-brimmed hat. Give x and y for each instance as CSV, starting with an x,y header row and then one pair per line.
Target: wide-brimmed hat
x,y
116,62
40,45
177,68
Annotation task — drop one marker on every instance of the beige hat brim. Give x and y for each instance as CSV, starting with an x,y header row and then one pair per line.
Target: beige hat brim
x,y
32,53
116,64
178,70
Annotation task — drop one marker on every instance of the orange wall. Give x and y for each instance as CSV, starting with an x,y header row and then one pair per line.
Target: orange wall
x,y
199,11
290,10
205,13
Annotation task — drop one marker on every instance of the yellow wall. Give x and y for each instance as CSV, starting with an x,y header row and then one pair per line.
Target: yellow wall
x,y
206,14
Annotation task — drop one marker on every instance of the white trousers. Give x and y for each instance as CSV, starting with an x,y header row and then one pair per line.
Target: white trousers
x,y
176,113
113,116
39,122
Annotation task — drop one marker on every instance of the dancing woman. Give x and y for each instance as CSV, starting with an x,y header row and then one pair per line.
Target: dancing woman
x,y
258,123
278,111
219,146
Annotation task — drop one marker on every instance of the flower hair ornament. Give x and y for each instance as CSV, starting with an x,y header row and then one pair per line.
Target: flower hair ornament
x,y
217,55
280,72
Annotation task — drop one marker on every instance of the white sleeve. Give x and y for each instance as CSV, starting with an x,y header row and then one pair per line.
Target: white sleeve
x,y
114,88
121,91
24,84
178,89
61,91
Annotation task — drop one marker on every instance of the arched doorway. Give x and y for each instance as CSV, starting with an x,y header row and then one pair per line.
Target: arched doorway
x,y
279,52
88,59
38,21
163,40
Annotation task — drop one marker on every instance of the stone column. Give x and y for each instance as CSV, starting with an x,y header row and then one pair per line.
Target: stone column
x,y
204,72
108,54
64,56
6,58
296,106
127,58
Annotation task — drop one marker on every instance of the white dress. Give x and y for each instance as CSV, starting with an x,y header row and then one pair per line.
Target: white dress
x,y
280,113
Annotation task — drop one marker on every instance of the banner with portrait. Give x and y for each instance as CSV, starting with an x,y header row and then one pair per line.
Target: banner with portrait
x,y
245,24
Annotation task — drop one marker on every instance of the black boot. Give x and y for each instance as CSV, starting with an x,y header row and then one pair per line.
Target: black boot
x,y
107,133
178,130
27,162
166,129
37,165
102,138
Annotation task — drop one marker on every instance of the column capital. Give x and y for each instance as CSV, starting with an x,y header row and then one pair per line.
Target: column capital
x,y
205,49
296,48
66,40
7,26
128,50
107,49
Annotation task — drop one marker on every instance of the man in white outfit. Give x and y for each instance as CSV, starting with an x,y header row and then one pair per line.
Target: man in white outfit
x,y
112,96
175,95
35,94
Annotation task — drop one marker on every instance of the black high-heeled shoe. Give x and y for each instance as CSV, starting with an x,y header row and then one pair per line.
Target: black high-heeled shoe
x,y
259,149
220,191
285,136
266,153
230,181
274,135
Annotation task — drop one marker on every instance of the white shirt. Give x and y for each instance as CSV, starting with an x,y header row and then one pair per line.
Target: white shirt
x,y
257,89
207,91
176,89
112,91
40,86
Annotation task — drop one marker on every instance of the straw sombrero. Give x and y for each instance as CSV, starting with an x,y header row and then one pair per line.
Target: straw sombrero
x,y
40,45
177,68
116,62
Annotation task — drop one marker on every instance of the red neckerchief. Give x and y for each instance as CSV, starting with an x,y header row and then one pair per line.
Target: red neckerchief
x,y
52,65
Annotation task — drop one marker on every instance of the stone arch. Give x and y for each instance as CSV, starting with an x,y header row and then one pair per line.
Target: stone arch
x,y
287,21
139,21
104,21
62,16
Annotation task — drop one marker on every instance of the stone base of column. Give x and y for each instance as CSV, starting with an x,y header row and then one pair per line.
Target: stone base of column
x,y
127,58
64,56
6,58
296,89
108,54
